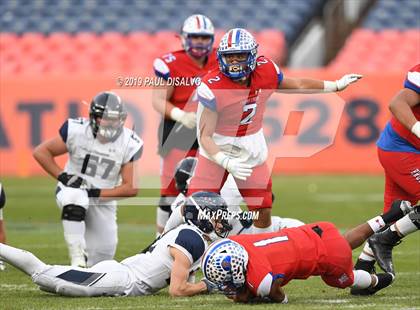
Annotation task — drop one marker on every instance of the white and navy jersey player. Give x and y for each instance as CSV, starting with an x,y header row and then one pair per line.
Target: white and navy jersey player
x,y
170,260
101,155
99,164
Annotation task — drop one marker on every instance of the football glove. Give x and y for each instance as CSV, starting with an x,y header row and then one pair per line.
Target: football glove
x,y
70,180
235,166
347,80
188,119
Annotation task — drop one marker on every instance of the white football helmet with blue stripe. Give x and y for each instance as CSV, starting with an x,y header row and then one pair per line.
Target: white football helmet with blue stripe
x,y
225,263
237,41
197,25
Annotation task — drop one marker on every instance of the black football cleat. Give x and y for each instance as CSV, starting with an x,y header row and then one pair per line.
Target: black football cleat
x,y
384,280
365,265
397,210
382,244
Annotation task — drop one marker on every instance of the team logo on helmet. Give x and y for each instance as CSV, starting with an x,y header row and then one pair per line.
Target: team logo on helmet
x,y
194,26
237,41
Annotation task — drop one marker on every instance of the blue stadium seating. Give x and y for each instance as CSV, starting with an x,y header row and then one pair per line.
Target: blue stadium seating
x,y
395,14
46,16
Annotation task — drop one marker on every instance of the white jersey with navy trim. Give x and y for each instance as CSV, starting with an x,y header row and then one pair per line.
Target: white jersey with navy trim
x,y
98,163
154,267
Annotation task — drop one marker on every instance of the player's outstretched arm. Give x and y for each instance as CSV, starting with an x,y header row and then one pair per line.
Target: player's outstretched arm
x,y
45,152
311,86
400,106
179,285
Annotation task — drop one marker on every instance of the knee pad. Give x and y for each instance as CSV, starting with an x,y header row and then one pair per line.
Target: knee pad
x,y
73,213
72,196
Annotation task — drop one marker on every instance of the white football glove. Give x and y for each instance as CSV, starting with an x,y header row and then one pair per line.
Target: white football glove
x,y
346,80
235,166
416,129
188,119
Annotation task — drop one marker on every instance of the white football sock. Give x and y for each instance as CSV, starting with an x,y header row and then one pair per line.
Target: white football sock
x,y
74,234
367,253
21,259
405,225
362,279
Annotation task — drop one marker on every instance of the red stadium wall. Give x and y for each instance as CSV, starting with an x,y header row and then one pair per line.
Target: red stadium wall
x,y
308,133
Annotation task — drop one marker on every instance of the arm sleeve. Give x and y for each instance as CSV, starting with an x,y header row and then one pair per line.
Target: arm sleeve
x,y
190,243
413,79
63,131
161,69
279,73
206,97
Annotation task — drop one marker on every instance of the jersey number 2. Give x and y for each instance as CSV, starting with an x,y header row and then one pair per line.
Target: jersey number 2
x,y
249,111
90,164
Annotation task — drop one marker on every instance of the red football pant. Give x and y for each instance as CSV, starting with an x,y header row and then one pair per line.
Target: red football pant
x,y
169,162
256,190
338,263
402,176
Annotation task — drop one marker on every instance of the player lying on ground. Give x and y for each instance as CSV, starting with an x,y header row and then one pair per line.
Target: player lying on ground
x,y
101,156
399,154
175,256
241,222
2,231
258,266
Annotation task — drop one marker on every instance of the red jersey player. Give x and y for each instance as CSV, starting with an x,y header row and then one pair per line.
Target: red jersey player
x,y
182,71
249,266
232,102
399,154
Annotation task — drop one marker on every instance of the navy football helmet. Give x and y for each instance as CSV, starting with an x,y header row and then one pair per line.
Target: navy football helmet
x,y
208,212
109,107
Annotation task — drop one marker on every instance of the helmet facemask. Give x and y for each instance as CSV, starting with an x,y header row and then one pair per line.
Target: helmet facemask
x,y
197,49
107,116
237,70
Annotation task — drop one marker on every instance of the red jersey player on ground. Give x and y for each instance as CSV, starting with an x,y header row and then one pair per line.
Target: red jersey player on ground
x,y
231,106
177,134
258,266
399,154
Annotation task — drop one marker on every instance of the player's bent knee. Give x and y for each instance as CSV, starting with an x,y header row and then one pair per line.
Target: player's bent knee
x,y
72,196
73,213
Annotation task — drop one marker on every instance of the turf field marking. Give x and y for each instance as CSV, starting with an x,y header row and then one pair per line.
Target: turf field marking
x,y
14,287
